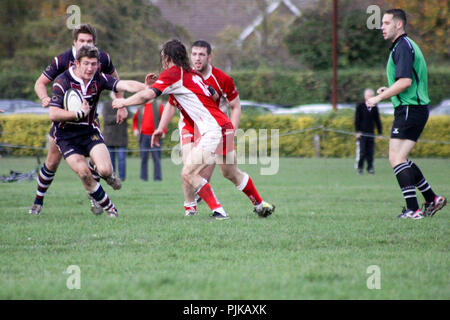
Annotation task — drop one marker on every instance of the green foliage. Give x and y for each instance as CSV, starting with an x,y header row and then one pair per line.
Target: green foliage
x,y
310,38
289,88
131,32
270,86
294,141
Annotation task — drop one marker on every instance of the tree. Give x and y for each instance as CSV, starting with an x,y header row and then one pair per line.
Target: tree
x,y
131,31
428,21
310,37
264,47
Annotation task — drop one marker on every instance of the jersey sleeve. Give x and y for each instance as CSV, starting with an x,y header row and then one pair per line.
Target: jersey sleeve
x,y
54,69
108,82
58,91
404,60
169,81
230,89
106,62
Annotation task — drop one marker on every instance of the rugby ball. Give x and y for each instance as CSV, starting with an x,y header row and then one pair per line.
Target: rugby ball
x,y
73,100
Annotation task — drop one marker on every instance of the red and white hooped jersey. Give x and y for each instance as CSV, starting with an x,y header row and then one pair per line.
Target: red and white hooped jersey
x,y
193,98
224,86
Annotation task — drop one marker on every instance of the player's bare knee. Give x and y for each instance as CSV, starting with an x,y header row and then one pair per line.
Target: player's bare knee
x,y
395,160
104,171
53,160
186,174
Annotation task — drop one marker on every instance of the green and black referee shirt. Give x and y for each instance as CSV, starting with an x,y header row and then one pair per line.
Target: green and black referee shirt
x,y
407,61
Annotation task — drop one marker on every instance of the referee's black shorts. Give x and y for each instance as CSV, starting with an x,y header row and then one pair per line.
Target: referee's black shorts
x,y
409,122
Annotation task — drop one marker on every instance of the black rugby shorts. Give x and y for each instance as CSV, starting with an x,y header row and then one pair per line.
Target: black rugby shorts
x,y
409,122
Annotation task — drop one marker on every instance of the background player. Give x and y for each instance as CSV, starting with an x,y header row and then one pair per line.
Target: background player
x,y
201,58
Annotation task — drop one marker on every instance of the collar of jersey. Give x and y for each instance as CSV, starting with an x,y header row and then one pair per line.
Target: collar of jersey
x,y
397,40
209,72
80,81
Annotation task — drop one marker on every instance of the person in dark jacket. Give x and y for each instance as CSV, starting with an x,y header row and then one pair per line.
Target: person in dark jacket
x,y
365,121
116,138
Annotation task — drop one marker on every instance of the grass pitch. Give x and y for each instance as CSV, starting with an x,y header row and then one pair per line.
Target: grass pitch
x,y
330,225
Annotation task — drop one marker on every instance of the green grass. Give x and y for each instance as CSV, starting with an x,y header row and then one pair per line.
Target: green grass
x,y
330,225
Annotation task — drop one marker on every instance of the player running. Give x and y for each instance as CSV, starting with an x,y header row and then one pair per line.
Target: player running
x,y
223,84
216,143
84,35
77,134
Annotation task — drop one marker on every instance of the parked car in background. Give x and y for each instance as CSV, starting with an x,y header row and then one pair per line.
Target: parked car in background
x,y
442,109
386,108
317,108
252,107
19,106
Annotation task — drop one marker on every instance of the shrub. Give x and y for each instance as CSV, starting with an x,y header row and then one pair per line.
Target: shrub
x,y
296,135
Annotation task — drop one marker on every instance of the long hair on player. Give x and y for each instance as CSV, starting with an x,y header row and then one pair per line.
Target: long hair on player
x,y
177,53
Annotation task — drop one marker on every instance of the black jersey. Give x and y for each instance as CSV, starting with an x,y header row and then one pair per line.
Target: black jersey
x,y
67,59
91,93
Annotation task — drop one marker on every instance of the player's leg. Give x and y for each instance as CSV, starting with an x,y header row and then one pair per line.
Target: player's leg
x,y
244,183
46,175
195,162
78,164
433,202
190,204
399,149
100,156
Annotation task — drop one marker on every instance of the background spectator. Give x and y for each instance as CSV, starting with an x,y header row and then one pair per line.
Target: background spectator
x,y
145,120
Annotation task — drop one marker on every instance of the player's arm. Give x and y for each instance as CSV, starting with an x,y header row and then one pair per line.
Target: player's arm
x,y
235,114
398,87
167,115
403,58
130,86
115,75
40,87
58,114
138,98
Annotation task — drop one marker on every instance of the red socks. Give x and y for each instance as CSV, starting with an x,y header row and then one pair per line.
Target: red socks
x,y
249,189
207,194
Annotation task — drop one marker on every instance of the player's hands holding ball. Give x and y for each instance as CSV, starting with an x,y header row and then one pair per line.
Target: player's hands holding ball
x,y
84,110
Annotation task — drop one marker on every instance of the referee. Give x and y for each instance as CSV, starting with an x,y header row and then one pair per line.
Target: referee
x,y
408,89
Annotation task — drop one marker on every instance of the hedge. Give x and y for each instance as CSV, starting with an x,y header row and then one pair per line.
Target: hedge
x,y
294,141
277,87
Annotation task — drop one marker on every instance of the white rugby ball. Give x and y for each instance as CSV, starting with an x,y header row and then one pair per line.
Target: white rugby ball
x,y
73,100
